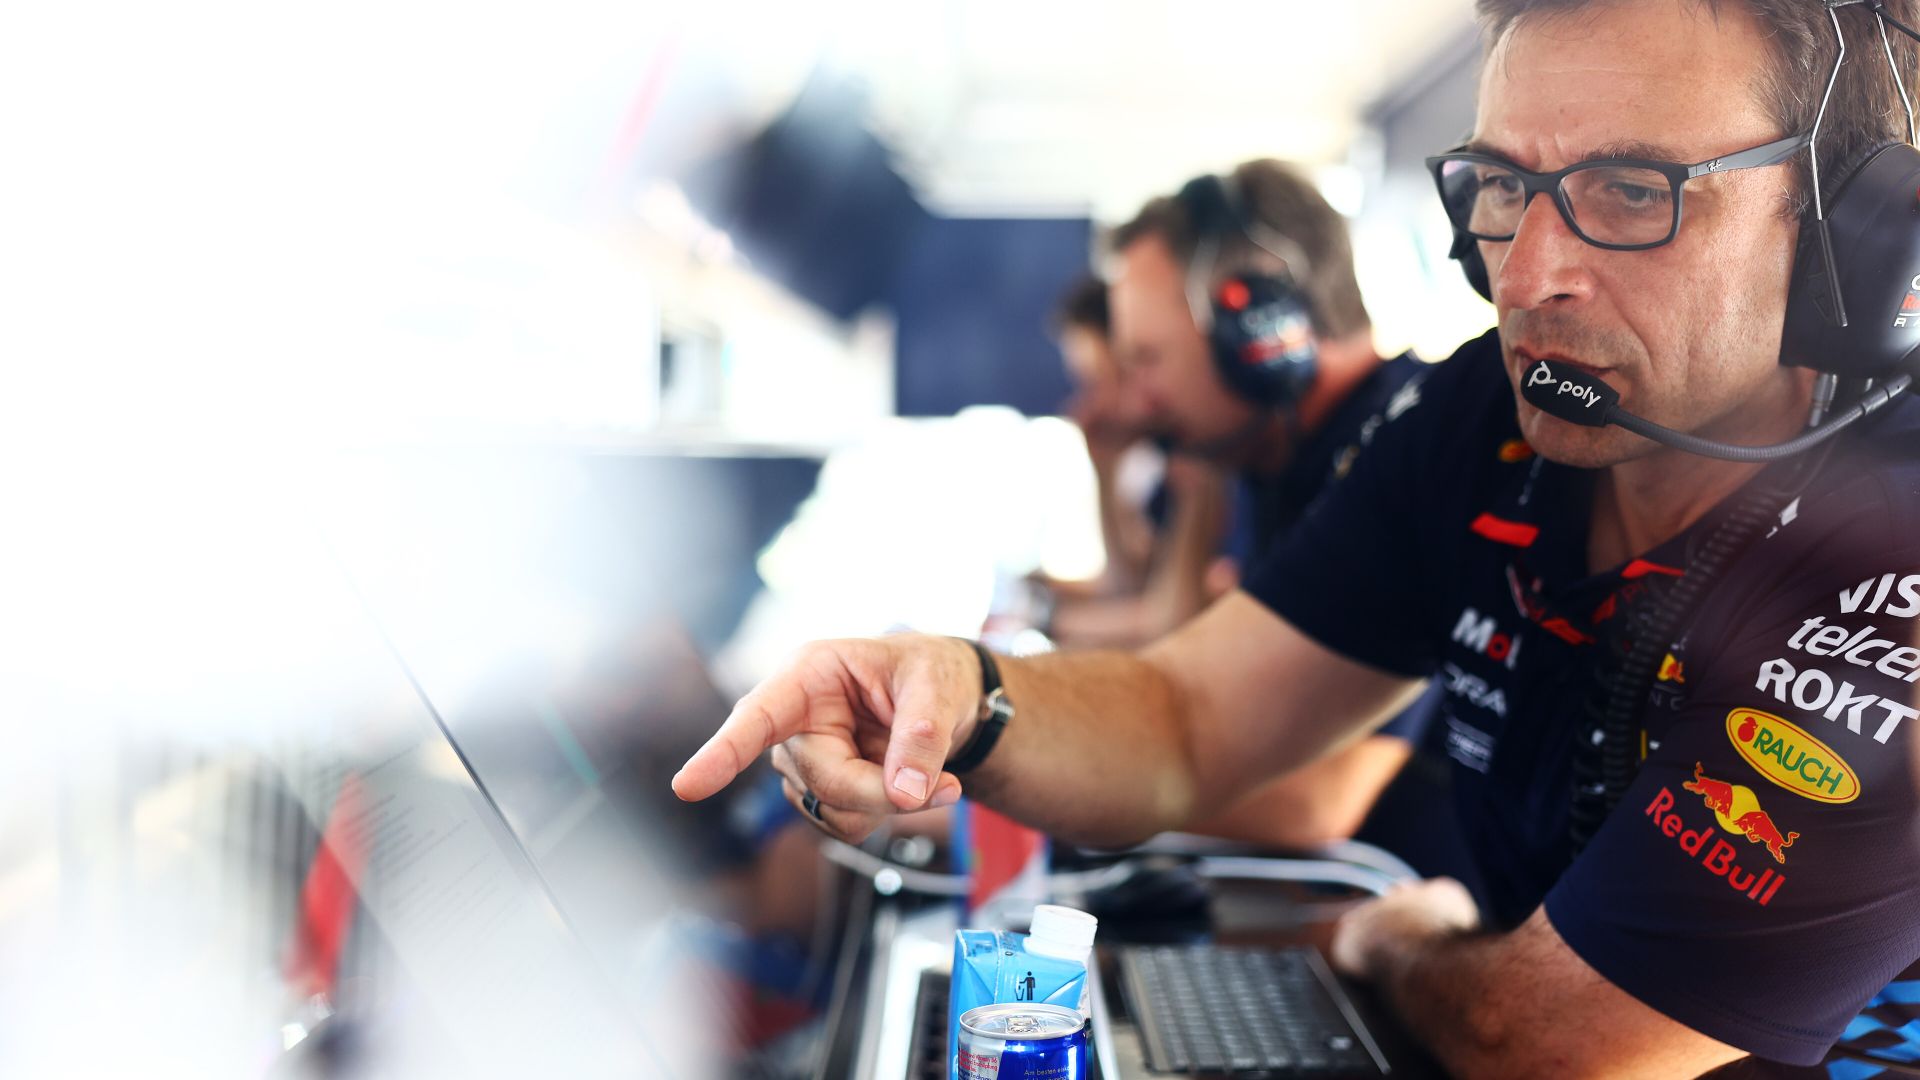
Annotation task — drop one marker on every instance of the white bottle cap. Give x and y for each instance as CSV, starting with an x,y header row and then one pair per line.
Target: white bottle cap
x,y
1062,931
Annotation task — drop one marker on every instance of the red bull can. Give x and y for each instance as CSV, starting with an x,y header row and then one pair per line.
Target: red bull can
x,y
1022,1042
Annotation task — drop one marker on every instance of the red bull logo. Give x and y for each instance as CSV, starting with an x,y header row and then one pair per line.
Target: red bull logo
x,y
1718,793
1910,307
1514,451
1672,670
1737,812
1760,829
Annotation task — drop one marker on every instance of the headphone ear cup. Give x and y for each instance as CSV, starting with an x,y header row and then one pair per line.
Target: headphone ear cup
x,y
1262,339
1208,206
1466,251
1810,310
1873,227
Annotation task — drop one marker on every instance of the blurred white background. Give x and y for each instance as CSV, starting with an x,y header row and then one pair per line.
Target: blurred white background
x,y
245,244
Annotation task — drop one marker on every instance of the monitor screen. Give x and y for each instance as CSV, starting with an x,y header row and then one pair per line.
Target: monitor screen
x,y
265,855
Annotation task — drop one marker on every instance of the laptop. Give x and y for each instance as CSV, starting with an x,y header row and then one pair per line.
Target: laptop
x,y
292,868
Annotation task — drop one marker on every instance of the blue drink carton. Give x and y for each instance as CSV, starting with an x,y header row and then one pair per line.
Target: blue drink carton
x,y
1047,966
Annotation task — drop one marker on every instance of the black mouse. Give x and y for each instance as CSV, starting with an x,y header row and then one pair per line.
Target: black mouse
x,y
1166,893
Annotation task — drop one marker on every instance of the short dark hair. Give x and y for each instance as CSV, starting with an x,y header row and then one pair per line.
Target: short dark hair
x,y
1282,198
1084,305
1865,112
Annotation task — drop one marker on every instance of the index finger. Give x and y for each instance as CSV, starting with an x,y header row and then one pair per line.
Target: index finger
x,y
762,720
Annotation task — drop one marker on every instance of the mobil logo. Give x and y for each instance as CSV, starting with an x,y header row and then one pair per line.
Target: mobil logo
x,y
1483,635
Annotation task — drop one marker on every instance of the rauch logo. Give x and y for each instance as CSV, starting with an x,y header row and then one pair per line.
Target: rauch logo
x,y
1789,757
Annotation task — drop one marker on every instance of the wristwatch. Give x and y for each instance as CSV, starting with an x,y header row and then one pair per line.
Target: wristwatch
x,y
995,711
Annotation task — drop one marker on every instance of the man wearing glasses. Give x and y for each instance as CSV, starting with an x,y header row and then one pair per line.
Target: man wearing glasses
x,y
1756,887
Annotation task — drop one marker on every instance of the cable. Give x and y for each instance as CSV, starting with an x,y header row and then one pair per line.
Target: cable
x,y
930,883
1605,762
1313,871
1880,10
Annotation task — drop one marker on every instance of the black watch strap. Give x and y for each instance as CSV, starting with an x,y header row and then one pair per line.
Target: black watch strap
x,y
995,712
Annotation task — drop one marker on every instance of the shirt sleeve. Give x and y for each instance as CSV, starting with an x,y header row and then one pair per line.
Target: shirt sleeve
x,y
1761,880
1413,722
1356,573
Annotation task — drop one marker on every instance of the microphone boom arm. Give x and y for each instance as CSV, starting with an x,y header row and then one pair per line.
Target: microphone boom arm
x,y
1693,444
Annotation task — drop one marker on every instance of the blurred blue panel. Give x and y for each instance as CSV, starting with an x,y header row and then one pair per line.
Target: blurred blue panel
x,y
814,201
974,298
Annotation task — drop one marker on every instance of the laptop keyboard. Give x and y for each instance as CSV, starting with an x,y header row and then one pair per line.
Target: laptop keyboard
x,y
1212,1009
927,1054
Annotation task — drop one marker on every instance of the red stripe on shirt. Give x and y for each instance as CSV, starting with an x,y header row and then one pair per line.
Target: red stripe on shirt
x,y
1512,533
1640,568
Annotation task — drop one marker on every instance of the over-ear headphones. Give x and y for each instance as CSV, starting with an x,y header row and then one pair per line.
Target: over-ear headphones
x,y
1853,308
1466,251
1853,302
1259,327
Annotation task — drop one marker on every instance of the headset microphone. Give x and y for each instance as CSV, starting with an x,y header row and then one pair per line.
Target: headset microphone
x,y
1566,393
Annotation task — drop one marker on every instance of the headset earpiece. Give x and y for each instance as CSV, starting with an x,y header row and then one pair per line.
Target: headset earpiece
x,y
1259,327
1862,319
1262,338
1466,251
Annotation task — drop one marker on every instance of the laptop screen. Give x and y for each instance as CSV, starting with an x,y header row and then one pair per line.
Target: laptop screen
x,y
266,856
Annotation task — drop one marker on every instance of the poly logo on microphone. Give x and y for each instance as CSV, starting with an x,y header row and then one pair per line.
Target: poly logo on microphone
x,y
1585,394
1546,385
1541,375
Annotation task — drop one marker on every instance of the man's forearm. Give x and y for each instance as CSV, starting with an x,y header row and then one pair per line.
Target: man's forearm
x,y
1318,803
1176,585
1442,986
1125,532
1110,748
1513,1004
1096,751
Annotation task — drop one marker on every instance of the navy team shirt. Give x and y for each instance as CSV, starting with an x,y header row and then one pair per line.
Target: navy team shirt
x,y
1268,505
1760,882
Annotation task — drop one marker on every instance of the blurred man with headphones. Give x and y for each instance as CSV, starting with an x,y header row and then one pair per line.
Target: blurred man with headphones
x,y
1103,408
1658,537
1156,510
1246,350
1240,325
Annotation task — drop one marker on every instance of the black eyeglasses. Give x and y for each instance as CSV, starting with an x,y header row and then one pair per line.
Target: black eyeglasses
x,y
1621,204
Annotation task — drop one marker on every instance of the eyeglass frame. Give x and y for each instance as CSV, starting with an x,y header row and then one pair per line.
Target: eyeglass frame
x,y
1534,183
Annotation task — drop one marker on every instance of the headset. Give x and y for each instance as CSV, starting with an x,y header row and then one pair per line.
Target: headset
x,y
1260,327
1853,301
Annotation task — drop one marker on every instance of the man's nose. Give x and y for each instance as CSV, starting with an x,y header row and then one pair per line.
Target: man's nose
x,y
1546,261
